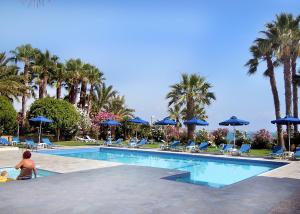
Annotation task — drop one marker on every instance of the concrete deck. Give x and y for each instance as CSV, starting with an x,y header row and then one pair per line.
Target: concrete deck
x,y
135,189
52,162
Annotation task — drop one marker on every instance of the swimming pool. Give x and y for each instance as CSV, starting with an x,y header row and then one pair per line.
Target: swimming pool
x,y
13,173
210,171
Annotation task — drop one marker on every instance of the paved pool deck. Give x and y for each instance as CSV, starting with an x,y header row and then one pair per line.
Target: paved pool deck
x,y
106,187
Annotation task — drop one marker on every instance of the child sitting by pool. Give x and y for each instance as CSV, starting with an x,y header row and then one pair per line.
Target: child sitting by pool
x,y
3,176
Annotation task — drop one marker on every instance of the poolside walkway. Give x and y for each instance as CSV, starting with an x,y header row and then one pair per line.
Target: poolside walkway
x,y
135,189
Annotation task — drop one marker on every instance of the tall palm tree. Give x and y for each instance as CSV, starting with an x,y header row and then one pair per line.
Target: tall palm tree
x,y
74,67
280,33
263,51
11,84
103,94
44,66
117,106
175,113
58,78
295,53
192,91
95,77
25,54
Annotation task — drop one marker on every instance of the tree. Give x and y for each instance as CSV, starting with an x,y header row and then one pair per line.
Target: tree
x,y
192,91
95,77
295,53
63,114
103,94
58,78
44,66
8,116
117,106
74,68
11,84
25,54
263,50
175,113
281,33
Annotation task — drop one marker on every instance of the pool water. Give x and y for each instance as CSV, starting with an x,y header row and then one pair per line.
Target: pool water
x,y
13,173
210,171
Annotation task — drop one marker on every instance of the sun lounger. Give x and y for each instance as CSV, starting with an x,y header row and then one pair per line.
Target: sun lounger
x,y
245,149
4,141
48,143
191,146
226,148
89,139
175,146
118,142
203,146
15,140
277,151
30,144
81,139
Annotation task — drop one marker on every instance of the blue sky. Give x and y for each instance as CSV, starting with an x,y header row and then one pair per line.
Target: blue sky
x,y
143,46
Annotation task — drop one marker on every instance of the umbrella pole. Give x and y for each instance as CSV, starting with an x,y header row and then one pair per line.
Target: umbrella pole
x,y
233,136
289,130
40,132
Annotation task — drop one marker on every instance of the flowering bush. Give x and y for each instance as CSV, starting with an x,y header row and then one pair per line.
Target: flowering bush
x,y
219,135
262,139
204,136
100,117
172,132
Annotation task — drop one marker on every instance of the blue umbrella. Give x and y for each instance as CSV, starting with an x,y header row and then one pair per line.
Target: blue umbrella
x,y
166,121
234,121
196,121
287,120
110,123
139,121
40,119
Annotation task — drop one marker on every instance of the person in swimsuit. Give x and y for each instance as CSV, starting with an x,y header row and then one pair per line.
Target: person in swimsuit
x,y
27,166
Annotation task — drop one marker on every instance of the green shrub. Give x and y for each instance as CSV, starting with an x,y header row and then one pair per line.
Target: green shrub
x,y
8,116
64,115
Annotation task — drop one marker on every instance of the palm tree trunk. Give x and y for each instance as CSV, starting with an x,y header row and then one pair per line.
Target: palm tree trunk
x,y
73,93
190,115
295,90
83,95
276,100
45,83
41,92
24,96
90,99
287,85
58,90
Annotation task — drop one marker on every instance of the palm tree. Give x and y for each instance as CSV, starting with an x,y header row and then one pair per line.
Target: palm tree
x,y
175,113
44,66
295,53
58,78
103,94
95,77
11,84
74,67
117,106
192,91
263,51
280,33
25,54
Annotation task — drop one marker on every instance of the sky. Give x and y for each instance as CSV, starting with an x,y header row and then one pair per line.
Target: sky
x,y
143,47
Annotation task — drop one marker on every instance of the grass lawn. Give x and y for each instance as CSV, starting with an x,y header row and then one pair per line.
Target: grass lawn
x,y
155,145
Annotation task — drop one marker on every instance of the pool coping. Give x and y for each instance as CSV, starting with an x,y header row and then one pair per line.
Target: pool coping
x,y
271,173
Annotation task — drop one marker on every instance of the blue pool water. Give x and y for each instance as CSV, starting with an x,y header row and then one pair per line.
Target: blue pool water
x,y
13,173
210,171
